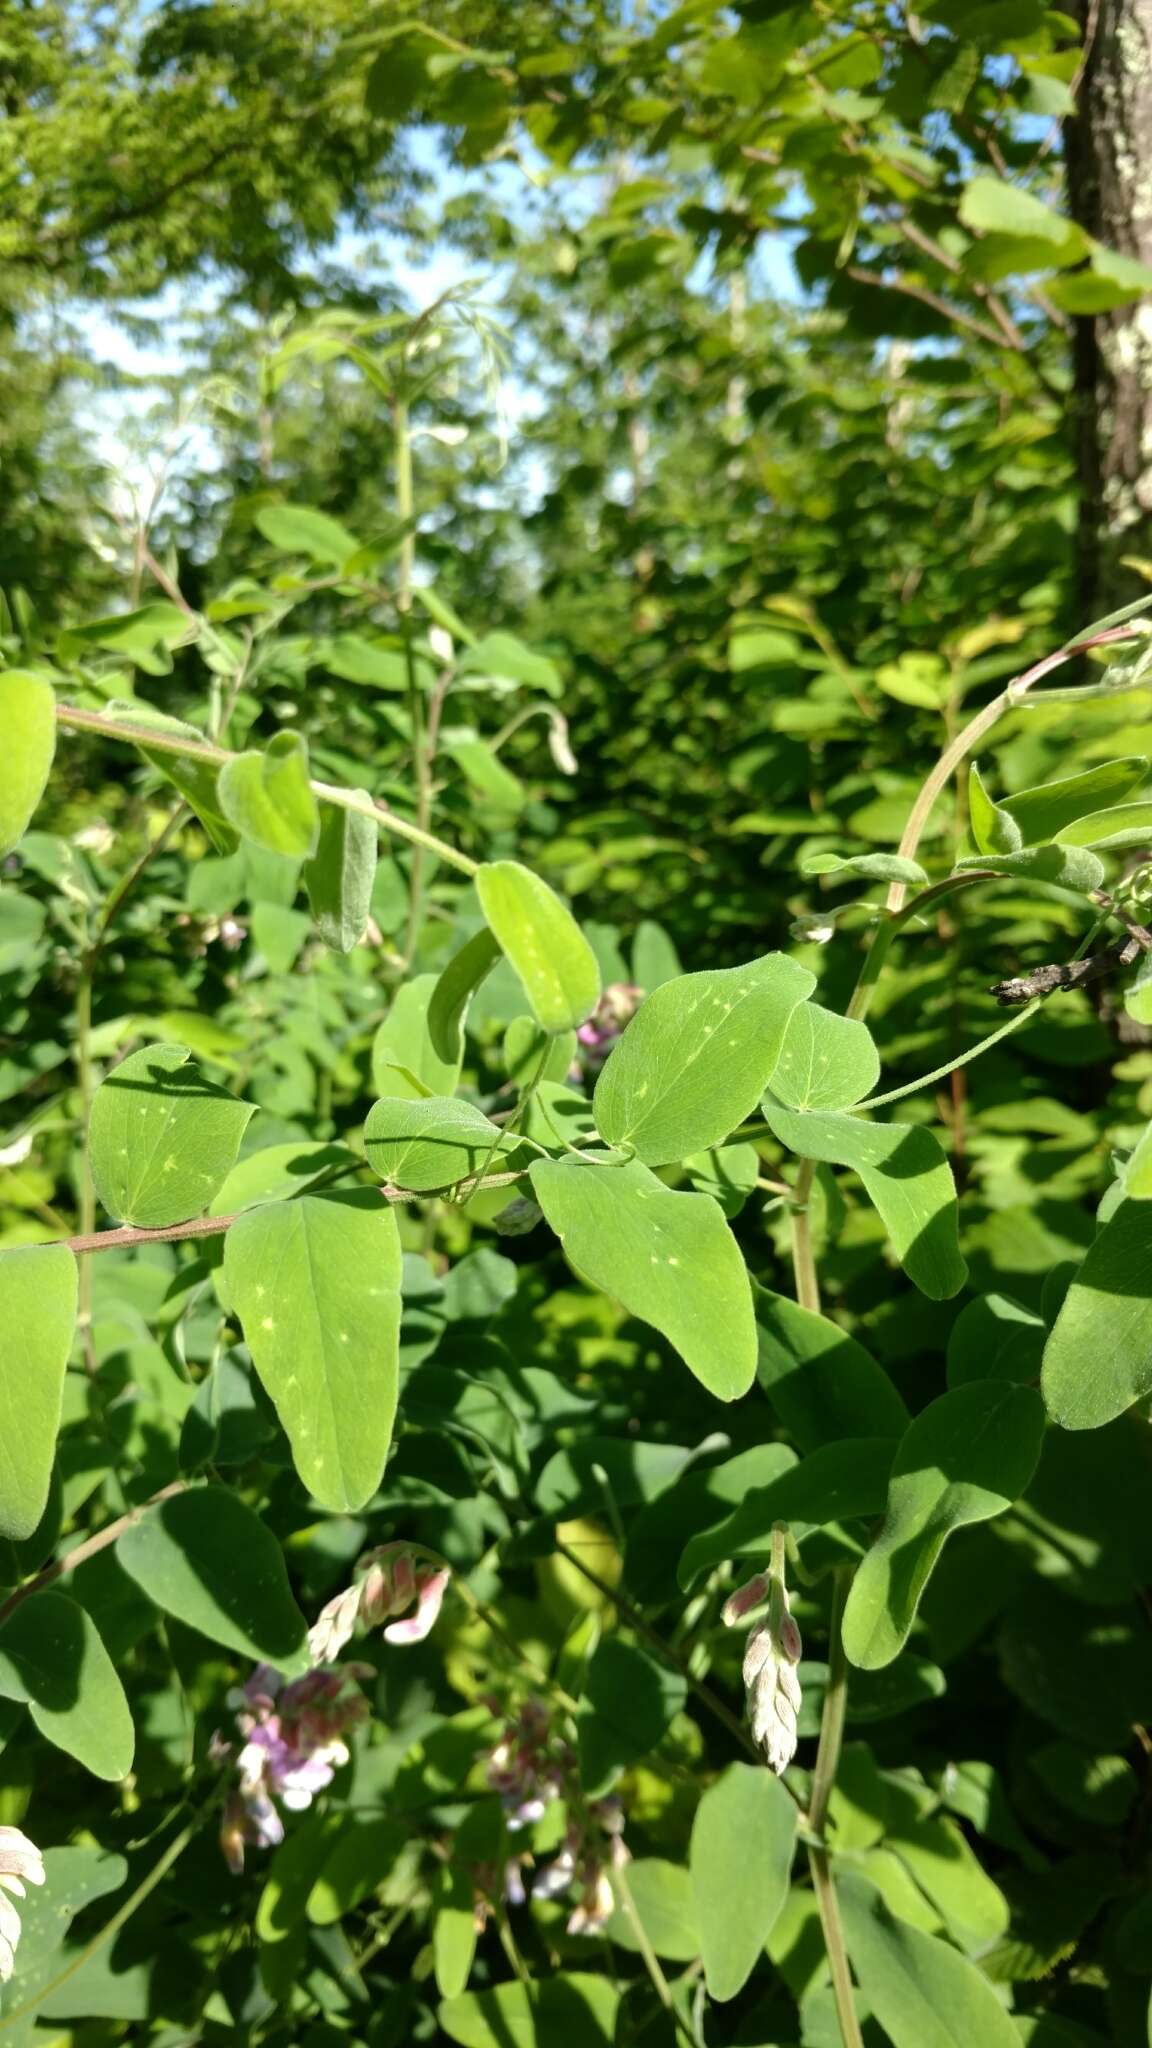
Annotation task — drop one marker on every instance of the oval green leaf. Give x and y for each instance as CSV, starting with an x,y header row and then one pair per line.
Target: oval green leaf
x,y
1098,1360
826,1061
743,1838
542,941
53,1658
268,798
906,1176
669,1258
822,1383
966,1457
340,875
697,1057
1044,811
207,1559
448,1004
316,1284
1065,867
38,1293
161,1138
28,722
405,1061
921,1990
426,1145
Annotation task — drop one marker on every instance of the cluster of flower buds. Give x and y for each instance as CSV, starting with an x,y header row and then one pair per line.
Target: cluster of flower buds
x,y
293,1745
387,1582
616,1008
20,1864
772,1652
531,1766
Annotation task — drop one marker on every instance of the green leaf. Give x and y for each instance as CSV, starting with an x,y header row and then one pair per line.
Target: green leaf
x,y
299,530
405,1061
357,660
502,655
728,1173
426,1145
38,1294
865,867
1071,867
206,1558
1122,825
965,1458
268,797
1098,1360
454,1930
921,1990
838,1482
276,1171
629,1703
197,781
696,1058
669,1258
361,1858
654,957
822,1383
28,723
743,1838
1045,810
316,1284
995,1338
457,984
52,1658
483,768
340,875
994,830
826,1061
661,1895
922,680
573,2008
544,944
905,1174
162,1138
993,206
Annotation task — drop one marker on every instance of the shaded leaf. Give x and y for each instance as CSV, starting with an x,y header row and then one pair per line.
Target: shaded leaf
x,y
743,1838
52,1657
1098,1359
162,1139
38,1297
206,1558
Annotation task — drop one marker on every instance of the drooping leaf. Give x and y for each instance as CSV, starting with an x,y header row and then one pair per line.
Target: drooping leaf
x,y
965,1458
197,781
38,1290
995,1338
426,1145
52,1657
301,530
268,797
340,875
995,830
206,1558
162,1138
669,1258
1045,810
1067,867
630,1700
455,987
921,1990
483,768
905,1175
28,724
865,867
826,1061
821,1382
316,1284
743,1839
542,941
696,1058
1098,1360
405,1061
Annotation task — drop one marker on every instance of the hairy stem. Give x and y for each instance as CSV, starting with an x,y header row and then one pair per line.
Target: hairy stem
x,y
72,716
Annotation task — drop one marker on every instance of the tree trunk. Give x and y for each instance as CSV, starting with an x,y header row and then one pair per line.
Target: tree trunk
x,y
1109,155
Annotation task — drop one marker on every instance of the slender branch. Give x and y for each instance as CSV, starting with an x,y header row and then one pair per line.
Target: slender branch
x,y
623,1890
636,1620
823,1782
939,777
91,1547
955,315
203,750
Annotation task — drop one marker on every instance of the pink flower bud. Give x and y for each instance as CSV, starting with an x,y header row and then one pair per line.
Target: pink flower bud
x,y
429,1600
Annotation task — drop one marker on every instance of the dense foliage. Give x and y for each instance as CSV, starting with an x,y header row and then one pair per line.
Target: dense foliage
x,y
575,1176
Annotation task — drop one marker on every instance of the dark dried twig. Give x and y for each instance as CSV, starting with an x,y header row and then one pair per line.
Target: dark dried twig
x,y
1044,981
